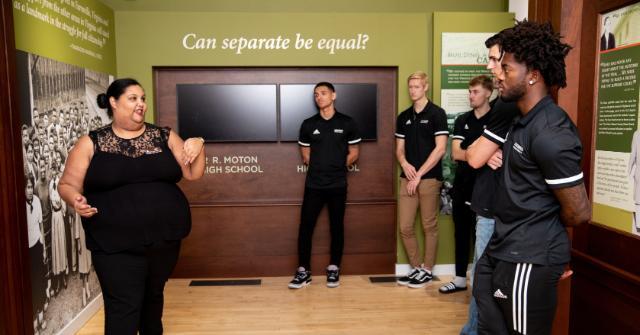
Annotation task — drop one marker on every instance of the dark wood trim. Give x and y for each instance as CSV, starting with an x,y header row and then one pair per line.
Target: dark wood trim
x,y
602,268
616,249
605,290
547,11
605,299
561,15
15,291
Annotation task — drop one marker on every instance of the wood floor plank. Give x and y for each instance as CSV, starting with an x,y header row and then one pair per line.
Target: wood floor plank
x,y
356,307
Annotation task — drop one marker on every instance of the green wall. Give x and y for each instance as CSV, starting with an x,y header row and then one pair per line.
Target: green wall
x,y
401,34
149,32
152,39
78,33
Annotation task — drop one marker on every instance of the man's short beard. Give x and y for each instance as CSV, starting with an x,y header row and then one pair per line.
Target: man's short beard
x,y
515,93
478,106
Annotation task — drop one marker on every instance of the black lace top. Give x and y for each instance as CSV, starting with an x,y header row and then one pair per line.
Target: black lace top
x,y
132,183
148,143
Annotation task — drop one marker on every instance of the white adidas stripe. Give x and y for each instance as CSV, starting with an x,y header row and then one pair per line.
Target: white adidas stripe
x,y
519,297
526,289
513,298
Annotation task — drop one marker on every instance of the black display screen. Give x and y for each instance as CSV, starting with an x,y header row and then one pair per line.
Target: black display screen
x,y
249,113
227,113
360,101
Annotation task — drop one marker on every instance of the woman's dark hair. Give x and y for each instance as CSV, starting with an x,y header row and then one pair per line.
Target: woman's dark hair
x,y
115,90
540,48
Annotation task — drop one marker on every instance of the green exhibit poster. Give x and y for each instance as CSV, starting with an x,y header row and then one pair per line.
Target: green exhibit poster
x,y
616,185
464,56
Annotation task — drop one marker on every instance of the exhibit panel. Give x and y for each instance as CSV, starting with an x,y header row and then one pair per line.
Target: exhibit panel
x,y
606,281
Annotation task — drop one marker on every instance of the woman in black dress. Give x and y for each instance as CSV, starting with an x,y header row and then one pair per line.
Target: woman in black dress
x,y
121,179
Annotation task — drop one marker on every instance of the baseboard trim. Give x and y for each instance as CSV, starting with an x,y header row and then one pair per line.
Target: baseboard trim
x,y
83,317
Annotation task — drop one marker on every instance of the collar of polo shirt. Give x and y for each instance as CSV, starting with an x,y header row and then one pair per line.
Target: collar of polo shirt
x,y
523,120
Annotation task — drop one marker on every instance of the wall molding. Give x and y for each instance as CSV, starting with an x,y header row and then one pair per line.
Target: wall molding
x,y
83,317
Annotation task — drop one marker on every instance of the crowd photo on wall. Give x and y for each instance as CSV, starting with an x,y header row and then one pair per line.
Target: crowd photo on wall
x,y
60,109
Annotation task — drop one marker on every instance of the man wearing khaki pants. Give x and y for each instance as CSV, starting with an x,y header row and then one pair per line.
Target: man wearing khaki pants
x,y
421,141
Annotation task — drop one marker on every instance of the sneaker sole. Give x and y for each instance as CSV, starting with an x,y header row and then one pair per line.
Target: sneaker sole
x,y
418,285
403,283
333,285
457,289
294,286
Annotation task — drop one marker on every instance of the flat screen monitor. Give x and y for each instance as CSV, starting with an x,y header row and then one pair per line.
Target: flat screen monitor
x,y
360,101
227,113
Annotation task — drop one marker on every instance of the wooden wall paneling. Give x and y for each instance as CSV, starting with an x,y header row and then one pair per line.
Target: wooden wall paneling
x,y
229,239
605,299
561,15
15,290
247,225
565,21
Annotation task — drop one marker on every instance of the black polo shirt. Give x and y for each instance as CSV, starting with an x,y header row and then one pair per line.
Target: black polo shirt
x,y
501,121
329,141
467,128
419,131
542,153
501,118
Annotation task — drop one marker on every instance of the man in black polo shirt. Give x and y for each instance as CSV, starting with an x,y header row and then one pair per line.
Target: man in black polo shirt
x,y
483,153
540,189
421,141
467,128
328,144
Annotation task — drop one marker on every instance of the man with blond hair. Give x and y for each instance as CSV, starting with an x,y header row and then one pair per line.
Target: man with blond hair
x,y
421,141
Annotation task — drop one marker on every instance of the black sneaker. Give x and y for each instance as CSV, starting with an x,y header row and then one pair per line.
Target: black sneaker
x,y
300,279
333,278
404,280
421,279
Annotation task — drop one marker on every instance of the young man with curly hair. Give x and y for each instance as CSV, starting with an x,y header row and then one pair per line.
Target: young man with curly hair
x,y
540,190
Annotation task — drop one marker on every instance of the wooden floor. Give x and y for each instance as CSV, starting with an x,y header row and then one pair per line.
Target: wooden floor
x,y
356,307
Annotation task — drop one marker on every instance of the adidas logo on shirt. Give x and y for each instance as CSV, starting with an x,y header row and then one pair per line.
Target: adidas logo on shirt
x,y
316,132
499,294
518,147
466,126
408,122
